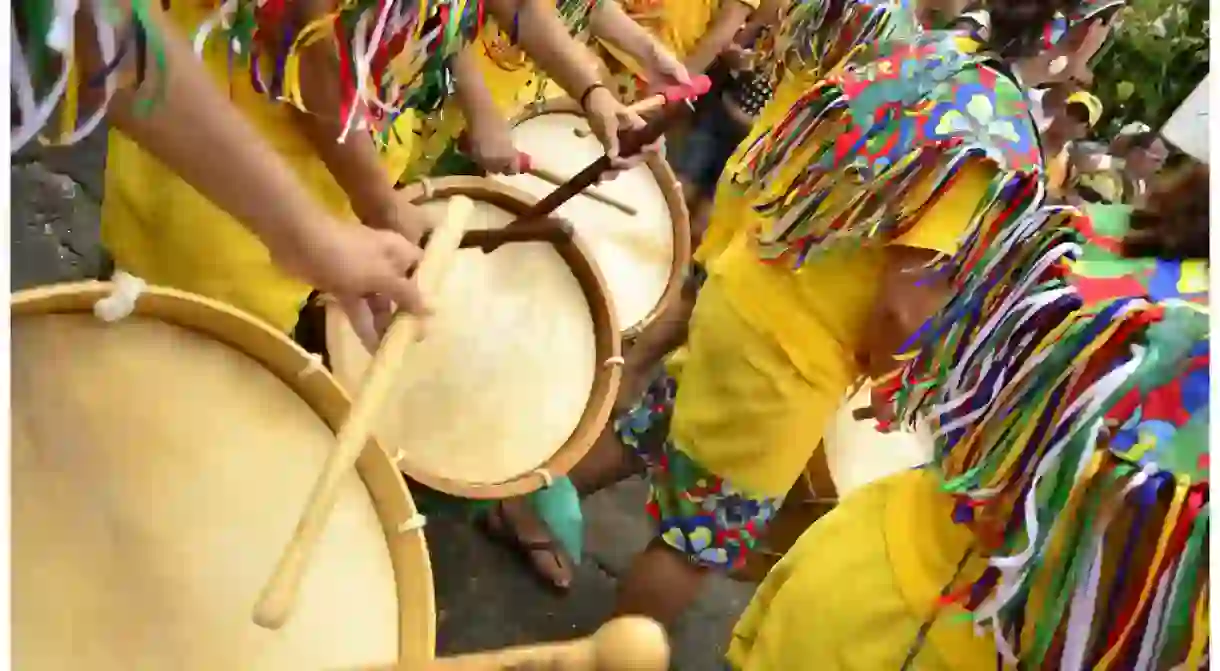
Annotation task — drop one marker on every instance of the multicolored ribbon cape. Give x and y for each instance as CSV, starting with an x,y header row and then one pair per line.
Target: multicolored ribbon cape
x,y
867,151
1068,392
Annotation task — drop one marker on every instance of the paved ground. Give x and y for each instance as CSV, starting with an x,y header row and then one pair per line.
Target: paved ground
x,y
485,599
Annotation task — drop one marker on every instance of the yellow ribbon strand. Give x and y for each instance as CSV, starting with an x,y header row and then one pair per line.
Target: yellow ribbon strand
x,y
1200,633
311,34
68,116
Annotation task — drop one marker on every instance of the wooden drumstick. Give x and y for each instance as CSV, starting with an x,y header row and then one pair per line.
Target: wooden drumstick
x,y
276,601
558,180
622,644
630,143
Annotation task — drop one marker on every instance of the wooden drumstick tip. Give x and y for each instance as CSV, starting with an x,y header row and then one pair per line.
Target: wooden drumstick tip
x,y
631,643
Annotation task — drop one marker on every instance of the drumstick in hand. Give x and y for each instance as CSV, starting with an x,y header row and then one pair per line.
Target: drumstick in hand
x,y
558,180
622,644
676,93
276,601
630,143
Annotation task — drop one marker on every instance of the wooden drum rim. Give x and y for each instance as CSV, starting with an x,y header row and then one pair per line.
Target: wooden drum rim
x,y
302,373
671,188
606,341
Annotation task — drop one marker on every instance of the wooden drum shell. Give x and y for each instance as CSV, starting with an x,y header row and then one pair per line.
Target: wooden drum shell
x,y
216,615
671,190
349,360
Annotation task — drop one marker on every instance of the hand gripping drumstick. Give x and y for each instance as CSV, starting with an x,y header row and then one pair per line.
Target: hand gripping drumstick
x,y
630,142
622,644
527,164
674,94
276,601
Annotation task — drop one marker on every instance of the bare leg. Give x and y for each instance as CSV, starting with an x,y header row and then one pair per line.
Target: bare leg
x,y
514,521
606,464
652,345
700,213
661,583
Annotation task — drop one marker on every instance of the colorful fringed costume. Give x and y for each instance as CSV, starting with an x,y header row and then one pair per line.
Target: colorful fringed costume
x,y
1066,505
395,58
1070,392
815,38
47,78
923,146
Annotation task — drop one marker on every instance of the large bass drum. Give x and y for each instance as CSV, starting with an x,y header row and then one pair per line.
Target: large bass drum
x,y
160,463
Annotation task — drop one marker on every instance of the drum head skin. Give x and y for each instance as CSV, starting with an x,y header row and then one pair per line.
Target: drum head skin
x,y
859,454
159,470
643,257
511,377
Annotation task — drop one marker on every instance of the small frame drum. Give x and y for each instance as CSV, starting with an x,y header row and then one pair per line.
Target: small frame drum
x,y
159,465
853,454
643,256
520,366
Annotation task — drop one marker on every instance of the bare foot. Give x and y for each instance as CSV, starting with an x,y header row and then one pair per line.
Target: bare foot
x,y
515,525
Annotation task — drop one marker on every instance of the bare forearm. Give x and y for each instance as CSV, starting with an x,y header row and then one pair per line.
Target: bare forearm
x,y
545,38
195,131
731,17
472,95
610,23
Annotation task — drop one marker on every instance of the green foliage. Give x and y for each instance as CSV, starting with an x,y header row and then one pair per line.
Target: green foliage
x,y
1156,56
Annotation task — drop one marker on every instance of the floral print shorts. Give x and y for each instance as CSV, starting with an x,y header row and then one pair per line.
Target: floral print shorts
x,y
698,513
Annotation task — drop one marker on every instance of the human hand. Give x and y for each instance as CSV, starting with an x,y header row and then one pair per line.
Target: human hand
x,y
367,270
664,70
737,57
608,117
490,144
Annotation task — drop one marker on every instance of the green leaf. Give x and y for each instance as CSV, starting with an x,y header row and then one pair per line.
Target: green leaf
x,y
1124,91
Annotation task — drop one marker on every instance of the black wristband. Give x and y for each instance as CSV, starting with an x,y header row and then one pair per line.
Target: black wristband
x,y
584,97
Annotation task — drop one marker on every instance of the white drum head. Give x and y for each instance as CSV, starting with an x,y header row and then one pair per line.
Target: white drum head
x,y
157,474
506,371
858,454
636,254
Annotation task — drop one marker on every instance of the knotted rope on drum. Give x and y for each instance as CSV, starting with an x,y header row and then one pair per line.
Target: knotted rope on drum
x,y
313,365
121,302
415,522
547,478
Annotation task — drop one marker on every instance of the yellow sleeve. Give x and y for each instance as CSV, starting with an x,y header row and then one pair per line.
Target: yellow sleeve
x,y
942,226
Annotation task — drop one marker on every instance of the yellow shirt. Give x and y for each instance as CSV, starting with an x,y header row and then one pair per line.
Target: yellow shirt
x,y
855,589
796,359
159,228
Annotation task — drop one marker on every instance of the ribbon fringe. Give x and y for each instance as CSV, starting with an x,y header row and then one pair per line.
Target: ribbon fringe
x,y
1026,387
